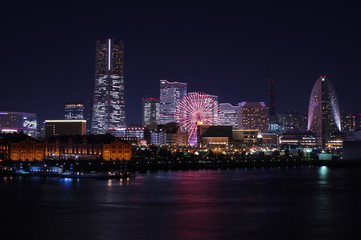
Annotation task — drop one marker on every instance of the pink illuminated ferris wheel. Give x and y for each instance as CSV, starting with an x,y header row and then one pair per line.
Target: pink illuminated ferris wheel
x,y
195,109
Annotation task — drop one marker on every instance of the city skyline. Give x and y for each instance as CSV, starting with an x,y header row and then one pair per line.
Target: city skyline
x,y
317,40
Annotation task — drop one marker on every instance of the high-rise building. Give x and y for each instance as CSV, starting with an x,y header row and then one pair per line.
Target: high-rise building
x,y
74,111
323,111
108,100
229,115
11,122
150,111
292,121
170,94
254,115
348,122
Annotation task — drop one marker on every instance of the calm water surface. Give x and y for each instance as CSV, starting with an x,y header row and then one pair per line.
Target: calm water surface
x,y
270,203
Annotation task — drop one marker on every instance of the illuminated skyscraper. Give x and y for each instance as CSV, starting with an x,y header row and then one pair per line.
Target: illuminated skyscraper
x,y
108,99
254,115
170,94
150,111
74,111
323,111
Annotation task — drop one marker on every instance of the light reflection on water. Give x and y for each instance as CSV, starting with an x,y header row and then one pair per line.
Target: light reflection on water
x,y
314,203
323,171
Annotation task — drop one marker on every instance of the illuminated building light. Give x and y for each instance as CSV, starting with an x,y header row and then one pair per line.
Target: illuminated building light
x,y
109,53
9,130
65,121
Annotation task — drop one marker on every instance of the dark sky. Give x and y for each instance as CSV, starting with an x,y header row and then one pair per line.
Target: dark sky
x,y
225,48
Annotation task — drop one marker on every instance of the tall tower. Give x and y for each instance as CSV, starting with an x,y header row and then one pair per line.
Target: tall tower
x,y
170,94
108,99
74,111
272,95
323,111
150,111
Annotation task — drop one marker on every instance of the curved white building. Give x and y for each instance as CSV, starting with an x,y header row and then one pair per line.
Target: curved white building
x,y
323,111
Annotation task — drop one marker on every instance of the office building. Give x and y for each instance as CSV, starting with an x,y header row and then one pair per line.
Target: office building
x,y
40,131
170,134
254,115
138,132
108,99
174,135
292,121
170,94
74,111
64,127
12,122
270,140
150,113
323,112
229,115
298,138
348,123
245,135
157,136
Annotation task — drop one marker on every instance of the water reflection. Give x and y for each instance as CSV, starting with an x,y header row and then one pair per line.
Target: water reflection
x,y
313,203
109,183
323,174
196,208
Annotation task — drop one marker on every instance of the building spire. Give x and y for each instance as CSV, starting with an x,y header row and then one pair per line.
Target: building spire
x,y
272,94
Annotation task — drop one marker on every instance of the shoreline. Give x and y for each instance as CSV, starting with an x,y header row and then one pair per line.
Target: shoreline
x,y
99,167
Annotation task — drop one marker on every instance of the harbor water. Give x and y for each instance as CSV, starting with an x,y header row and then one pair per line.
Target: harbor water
x,y
254,203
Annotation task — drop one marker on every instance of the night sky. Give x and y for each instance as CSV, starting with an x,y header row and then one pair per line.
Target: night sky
x,y
225,48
